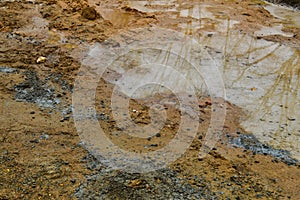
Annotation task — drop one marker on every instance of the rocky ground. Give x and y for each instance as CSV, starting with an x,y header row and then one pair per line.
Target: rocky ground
x,y
42,157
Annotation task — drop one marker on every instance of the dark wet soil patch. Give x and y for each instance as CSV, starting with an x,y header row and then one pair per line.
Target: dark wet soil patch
x,y
250,142
34,90
45,92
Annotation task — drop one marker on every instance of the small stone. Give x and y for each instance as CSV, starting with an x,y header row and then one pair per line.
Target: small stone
x,y
201,104
73,181
291,118
157,134
275,180
246,14
89,13
134,183
66,118
34,141
44,137
81,143
41,59
208,102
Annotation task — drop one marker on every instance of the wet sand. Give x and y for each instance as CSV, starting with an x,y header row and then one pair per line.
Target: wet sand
x,y
255,48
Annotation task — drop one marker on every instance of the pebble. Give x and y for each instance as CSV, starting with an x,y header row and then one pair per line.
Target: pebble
x,y
44,137
34,141
89,13
291,118
41,59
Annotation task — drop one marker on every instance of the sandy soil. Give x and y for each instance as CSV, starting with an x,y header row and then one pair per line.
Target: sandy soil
x,y
41,154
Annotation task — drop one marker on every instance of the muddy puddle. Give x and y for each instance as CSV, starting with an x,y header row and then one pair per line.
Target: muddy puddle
x,y
204,55
258,75
225,70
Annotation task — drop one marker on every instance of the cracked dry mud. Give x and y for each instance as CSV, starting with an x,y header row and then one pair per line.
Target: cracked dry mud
x,y
41,154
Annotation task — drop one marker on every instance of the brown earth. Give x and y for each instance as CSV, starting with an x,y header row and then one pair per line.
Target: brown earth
x,y
41,153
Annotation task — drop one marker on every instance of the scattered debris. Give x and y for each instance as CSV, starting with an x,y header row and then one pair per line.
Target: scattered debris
x,y
41,59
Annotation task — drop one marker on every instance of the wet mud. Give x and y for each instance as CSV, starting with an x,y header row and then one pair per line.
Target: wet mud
x,y
255,46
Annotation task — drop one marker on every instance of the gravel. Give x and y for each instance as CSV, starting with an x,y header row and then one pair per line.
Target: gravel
x,y
162,184
250,142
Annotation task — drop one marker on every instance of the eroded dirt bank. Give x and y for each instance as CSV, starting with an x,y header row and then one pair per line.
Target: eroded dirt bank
x,y
42,44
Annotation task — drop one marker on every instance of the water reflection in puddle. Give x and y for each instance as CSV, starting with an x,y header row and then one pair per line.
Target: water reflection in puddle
x,y
291,16
197,12
260,76
275,30
154,6
117,17
263,78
